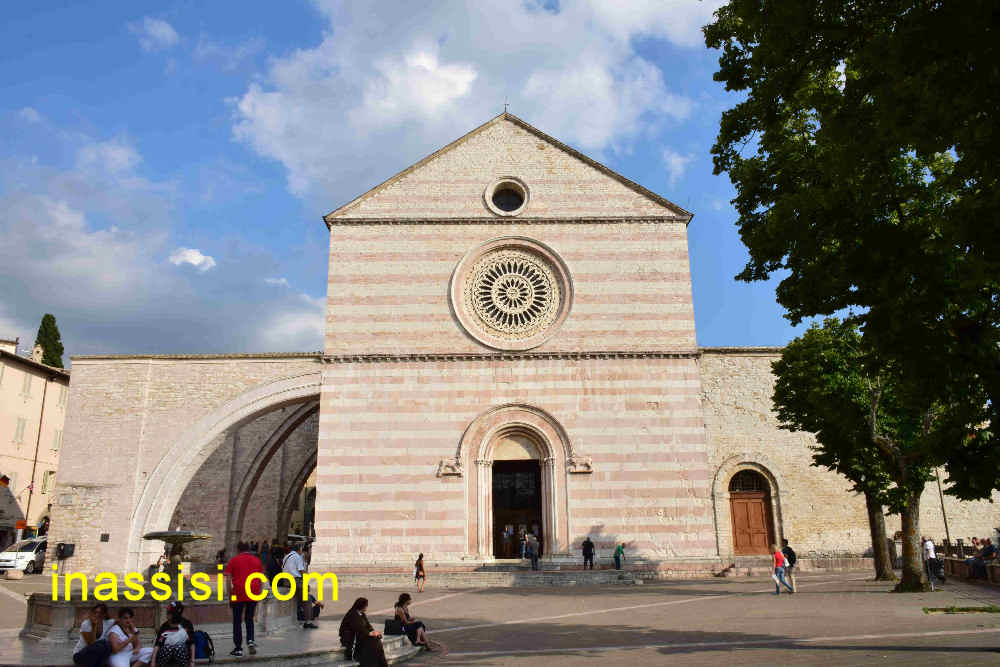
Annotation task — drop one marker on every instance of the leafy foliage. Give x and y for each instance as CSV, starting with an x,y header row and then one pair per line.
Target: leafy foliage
x,y
50,340
863,157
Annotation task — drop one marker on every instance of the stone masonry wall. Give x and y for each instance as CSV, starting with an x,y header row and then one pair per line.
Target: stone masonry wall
x,y
124,414
385,427
817,511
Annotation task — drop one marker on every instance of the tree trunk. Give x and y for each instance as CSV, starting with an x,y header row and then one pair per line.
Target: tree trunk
x,y
913,579
880,545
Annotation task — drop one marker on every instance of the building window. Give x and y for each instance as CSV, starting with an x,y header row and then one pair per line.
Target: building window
x,y
48,481
57,439
26,385
19,430
747,481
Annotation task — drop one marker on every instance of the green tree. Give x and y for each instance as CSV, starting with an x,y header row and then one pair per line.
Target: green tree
x,y
50,340
868,424
863,156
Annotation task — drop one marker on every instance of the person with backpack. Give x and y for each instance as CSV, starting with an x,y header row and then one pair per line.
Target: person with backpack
x,y
238,569
779,561
295,565
790,559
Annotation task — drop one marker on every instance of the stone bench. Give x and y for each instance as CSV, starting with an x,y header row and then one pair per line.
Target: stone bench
x,y
957,567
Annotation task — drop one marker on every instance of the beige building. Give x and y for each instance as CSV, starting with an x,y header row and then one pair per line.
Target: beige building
x,y
33,400
510,348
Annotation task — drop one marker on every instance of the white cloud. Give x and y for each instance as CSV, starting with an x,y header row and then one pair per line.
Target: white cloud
x,y
676,163
29,115
303,319
154,34
115,155
229,56
386,85
280,282
192,256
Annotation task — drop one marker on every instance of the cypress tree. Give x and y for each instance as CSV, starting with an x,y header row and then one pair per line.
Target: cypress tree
x,y
50,340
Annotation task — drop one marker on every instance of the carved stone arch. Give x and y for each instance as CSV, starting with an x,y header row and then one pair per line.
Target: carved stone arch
x,y
475,454
187,452
263,455
759,463
287,502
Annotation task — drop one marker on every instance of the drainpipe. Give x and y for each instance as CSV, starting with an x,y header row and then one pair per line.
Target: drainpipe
x,y
38,442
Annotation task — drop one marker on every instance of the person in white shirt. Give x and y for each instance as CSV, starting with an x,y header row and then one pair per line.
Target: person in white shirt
x,y
95,626
934,565
294,564
124,639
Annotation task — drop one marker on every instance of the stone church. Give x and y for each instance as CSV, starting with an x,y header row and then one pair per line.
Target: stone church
x,y
510,347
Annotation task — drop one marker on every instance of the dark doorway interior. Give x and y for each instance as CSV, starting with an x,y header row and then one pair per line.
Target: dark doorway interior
x,y
517,506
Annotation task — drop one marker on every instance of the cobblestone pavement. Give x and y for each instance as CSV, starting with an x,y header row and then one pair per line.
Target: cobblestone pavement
x,y
833,620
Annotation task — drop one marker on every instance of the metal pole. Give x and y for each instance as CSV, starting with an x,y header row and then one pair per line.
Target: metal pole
x,y
38,441
944,515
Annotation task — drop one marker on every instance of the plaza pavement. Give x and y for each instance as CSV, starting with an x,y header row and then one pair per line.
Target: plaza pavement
x,y
838,619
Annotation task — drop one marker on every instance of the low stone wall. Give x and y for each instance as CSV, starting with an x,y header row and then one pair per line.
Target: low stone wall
x,y
957,567
58,621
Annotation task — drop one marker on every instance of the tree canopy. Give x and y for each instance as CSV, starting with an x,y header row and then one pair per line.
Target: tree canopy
x,y
863,156
50,340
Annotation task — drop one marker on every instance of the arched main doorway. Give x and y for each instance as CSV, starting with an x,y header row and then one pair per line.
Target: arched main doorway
x,y
750,509
517,493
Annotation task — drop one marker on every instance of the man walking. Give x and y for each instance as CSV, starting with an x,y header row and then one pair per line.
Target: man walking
x,y
588,553
933,564
619,555
790,559
238,569
294,564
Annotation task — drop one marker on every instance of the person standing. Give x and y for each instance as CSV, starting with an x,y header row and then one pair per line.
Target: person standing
x,y
419,574
532,550
619,555
294,564
238,569
790,559
588,553
933,564
778,559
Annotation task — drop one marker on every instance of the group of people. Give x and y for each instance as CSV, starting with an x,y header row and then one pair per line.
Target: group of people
x,y
784,567
986,555
117,644
362,642
589,550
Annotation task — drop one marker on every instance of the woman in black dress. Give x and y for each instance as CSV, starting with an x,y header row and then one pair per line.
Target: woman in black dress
x,y
419,575
360,640
415,630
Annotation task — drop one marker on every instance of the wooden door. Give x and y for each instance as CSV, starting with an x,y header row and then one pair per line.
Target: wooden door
x,y
751,524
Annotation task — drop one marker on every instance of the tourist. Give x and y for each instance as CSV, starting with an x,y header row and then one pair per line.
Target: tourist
x,y
177,607
273,563
588,553
619,555
360,640
532,550
295,565
934,566
986,555
174,643
94,628
779,570
163,561
790,559
265,548
414,629
314,609
238,569
419,573
124,640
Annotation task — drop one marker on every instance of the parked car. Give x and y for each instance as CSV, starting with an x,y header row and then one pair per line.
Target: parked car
x,y
27,555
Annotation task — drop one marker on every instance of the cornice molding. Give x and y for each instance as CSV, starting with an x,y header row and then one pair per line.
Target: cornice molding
x,y
603,220
504,356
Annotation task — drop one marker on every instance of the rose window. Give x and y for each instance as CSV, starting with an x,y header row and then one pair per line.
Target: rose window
x,y
511,293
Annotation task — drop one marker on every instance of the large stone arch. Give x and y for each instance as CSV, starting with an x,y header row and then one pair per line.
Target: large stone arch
x,y
475,454
194,445
759,463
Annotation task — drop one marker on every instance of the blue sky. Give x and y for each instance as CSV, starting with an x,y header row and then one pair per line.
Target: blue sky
x,y
164,169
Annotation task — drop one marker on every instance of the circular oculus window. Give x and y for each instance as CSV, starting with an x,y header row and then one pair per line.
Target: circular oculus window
x,y
506,196
511,294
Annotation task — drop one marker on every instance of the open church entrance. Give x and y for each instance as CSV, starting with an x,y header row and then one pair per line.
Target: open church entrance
x,y
517,495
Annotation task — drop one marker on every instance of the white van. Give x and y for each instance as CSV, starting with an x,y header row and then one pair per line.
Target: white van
x,y
26,555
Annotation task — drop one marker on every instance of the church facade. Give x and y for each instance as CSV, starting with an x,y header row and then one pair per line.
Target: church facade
x,y
510,348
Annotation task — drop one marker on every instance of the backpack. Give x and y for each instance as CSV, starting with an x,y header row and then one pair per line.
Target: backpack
x,y
93,655
203,646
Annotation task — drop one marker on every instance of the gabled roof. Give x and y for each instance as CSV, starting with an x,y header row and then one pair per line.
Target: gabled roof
x,y
342,212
